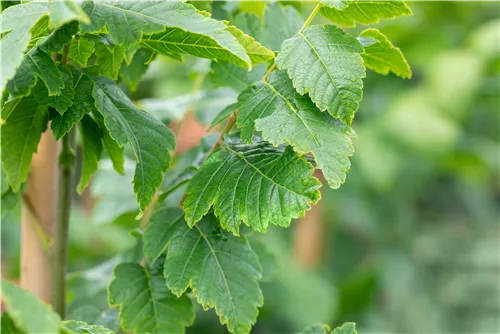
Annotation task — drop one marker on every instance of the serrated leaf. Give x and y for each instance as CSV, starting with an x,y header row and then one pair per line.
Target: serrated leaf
x,y
254,183
177,41
221,269
83,103
160,229
316,329
148,17
35,64
280,23
20,134
60,102
257,53
150,139
325,62
80,327
381,56
284,116
146,304
17,22
348,13
28,313
115,151
92,148
108,60
346,328
223,74
62,12
80,50
132,73
58,38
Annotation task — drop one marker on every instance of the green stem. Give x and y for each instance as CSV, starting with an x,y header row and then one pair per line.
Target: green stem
x,y
311,17
60,246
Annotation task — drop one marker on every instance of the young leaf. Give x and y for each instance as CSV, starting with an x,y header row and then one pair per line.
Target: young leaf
x,y
146,304
80,50
35,64
80,327
20,134
221,269
325,62
132,73
150,139
381,56
348,13
109,60
257,184
257,53
92,148
147,17
60,102
58,38
346,328
302,125
62,12
317,329
160,229
17,22
83,103
27,313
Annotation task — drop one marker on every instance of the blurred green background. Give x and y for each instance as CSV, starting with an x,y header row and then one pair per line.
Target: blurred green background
x,y
409,244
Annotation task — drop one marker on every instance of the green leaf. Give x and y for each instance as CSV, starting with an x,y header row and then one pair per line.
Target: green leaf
x,y
80,50
301,124
20,134
58,38
280,23
62,12
17,22
325,62
224,114
35,64
256,7
346,328
28,313
60,102
257,53
92,148
317,329
83,103
8,326
223,74
150,139
132,73
348,13
147,17
177,41
80,327
256,183
146,304
221,269
160,229
109,60
381,56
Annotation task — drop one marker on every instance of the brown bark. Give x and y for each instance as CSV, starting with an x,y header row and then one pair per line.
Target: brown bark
x,y
41,194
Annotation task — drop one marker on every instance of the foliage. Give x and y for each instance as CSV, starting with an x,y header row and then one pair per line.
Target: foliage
x,y
293,115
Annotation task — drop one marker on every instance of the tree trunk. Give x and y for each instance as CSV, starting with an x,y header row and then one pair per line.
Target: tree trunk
x,y
39,212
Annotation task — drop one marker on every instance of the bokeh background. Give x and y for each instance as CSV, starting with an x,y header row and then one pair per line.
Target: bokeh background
x,y
409,244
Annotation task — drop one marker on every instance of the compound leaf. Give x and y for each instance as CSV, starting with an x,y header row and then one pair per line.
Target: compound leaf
x,y
381,56
92,148
151,140
27,313
146,304
148,17
325,62
21,132
301,125
17,22
254,183
348,13
221,269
